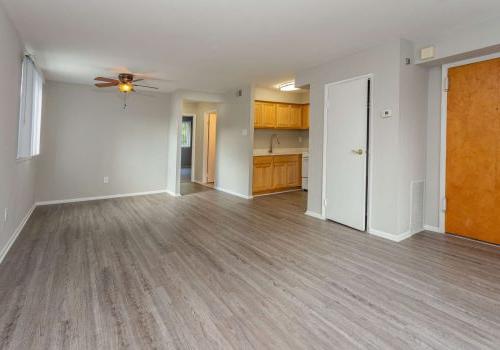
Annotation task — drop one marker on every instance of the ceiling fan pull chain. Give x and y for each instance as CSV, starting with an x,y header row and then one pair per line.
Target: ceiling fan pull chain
x,y
124,101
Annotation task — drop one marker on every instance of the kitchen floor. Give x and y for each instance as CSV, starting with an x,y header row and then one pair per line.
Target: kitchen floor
x,y
214,271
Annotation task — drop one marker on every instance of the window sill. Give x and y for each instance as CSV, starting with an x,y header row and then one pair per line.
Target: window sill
x,y
24,159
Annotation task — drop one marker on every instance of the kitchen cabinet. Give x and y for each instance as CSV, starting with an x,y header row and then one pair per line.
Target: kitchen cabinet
x,y
262,173
305,116
276,173
276,115
265,115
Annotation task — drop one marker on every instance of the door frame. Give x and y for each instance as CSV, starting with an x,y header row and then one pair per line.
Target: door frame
x,y
205,146
369,151
193,143
444,118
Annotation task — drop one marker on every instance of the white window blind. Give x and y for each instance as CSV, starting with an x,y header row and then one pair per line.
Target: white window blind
x,y
30,111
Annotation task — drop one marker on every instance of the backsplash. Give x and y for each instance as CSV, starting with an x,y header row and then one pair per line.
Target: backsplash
x,y
287,138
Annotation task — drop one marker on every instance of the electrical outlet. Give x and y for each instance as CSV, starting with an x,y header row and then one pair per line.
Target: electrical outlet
x,y
106,179
5,214
300,139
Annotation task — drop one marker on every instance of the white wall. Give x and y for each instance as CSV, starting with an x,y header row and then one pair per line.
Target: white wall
x,y
87,135
287,138
234,150
463,42
433,147
383,62
17,178
412,131
392,167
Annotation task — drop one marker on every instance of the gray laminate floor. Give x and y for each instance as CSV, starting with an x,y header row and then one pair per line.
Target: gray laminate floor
x,y
212,271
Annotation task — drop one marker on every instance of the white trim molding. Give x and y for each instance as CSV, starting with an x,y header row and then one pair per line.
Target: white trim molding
x,y
16,233
86,199
272,193
233,193
392,237
314,215
432,228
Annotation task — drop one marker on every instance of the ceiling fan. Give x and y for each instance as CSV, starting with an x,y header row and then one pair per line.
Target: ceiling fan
x,y
125,83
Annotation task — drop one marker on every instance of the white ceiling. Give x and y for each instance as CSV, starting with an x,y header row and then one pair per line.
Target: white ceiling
x,y
214,45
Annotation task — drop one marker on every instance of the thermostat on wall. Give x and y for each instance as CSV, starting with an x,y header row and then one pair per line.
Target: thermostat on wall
x,y
386,113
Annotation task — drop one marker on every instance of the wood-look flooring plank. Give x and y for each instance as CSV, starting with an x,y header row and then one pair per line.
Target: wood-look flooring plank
x,y
213,271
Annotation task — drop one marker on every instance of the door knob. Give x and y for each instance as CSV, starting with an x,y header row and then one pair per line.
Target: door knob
x,y
358,151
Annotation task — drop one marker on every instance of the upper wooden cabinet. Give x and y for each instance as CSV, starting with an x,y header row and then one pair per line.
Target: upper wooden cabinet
x,y
305,116
275,115
265,115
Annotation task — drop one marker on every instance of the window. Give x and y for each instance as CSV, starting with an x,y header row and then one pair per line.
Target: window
x,y
30,110
186,134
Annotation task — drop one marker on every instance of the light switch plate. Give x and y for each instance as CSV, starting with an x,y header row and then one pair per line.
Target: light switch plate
x,y
106,179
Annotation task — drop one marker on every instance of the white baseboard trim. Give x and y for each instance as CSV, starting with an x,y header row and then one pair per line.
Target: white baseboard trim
x,y
16,233
315,215
272,193
170,193
233,193
432,228
86,199
395,238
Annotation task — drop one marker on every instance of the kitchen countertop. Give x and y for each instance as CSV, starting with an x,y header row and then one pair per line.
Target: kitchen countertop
x,y
279,151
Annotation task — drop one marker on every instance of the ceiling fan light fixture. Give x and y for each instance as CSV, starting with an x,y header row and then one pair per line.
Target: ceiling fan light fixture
x,y
125,87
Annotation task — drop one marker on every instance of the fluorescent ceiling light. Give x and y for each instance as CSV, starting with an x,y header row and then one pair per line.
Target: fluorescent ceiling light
x,y
289,86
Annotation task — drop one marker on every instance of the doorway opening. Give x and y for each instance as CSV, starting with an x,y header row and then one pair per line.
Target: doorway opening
x,y
346,188
280,162
187,148
197,133
470,125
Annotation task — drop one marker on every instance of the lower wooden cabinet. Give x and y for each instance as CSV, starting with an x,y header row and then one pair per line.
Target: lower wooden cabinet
x,y
262,173
276,173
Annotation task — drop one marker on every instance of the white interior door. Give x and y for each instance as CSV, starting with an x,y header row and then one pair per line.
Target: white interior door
x,y
346,152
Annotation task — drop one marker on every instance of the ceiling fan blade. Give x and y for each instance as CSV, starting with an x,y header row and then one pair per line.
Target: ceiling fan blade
x,y
133,81
149,87
107,80
101,85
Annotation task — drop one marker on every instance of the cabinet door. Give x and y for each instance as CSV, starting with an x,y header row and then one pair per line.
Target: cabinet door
x,y
262,174
258,114
269,115
282,115
294,174
295,117
305,117
280,172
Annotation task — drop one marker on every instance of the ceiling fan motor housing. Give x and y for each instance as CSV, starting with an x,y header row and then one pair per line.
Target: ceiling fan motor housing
x,y
126,78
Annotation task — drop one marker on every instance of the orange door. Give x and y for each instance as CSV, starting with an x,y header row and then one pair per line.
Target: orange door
x,y
473,151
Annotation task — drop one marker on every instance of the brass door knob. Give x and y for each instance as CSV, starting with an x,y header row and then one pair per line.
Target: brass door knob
x,y
358,151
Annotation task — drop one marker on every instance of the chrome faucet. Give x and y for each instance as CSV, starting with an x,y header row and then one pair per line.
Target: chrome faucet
x,y
273,136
